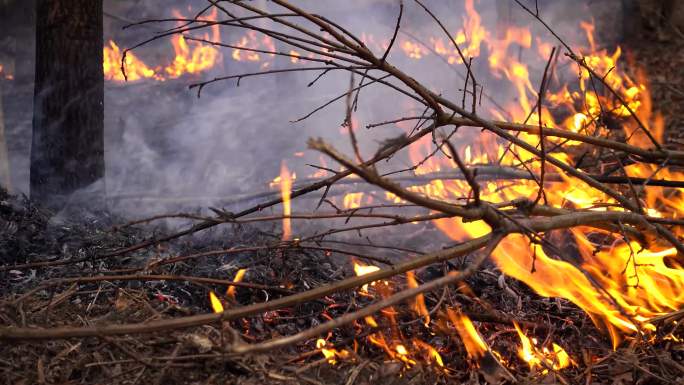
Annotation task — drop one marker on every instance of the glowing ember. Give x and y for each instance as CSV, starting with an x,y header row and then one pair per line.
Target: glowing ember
x,y
216,304
4,74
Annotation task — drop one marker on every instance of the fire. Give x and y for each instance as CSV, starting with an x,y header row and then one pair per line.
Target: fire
x,y
413,50
431,353
474,344
472,34
637,282
393,343
331,354
238,278
541,359
360,269
189,58
199,59
418,305
136,69
285,191
216,304
352,200
294,56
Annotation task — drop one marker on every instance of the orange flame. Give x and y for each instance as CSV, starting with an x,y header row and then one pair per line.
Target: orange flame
x,y
474,344
431,353
352,200
238,278
285,191
360,269
187,59
135,68
636,284
418,304
557,359
331,354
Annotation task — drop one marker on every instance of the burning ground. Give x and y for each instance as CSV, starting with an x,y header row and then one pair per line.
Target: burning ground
x,y
486,327
548,256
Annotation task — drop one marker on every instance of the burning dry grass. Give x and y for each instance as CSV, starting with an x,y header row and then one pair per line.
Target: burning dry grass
x,y
584,214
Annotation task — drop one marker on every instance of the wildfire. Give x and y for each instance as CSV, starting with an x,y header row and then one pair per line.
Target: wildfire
x,y
394,344
474,344
360,269
352,200
331,354
285,191
556,359
216,304
637,283
136,69
188,59
238,278
418,305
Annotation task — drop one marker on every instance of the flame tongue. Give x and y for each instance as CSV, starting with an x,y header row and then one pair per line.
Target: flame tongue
x,y
486,359
331,354
285,191
360,269
216,304
189,58
544,358
418,305
475,345
238,278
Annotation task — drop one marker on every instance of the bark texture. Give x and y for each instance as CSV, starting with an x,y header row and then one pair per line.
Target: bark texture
x,y
67,152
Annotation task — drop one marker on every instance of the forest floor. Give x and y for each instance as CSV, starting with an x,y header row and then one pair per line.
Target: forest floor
x,y
32,296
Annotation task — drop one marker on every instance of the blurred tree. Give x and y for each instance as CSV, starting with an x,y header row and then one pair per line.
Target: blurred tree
x,y
67,152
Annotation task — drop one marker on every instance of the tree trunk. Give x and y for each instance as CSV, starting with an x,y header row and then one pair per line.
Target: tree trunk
x,y
67,152
5,180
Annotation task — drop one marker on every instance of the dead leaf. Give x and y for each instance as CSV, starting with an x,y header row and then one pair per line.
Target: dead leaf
x,y
122,301
199,342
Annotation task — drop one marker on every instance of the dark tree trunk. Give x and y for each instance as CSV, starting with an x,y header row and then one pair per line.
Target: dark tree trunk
x,y
67,152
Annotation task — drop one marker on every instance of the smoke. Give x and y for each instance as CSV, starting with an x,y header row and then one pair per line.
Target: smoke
x,y
168,149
